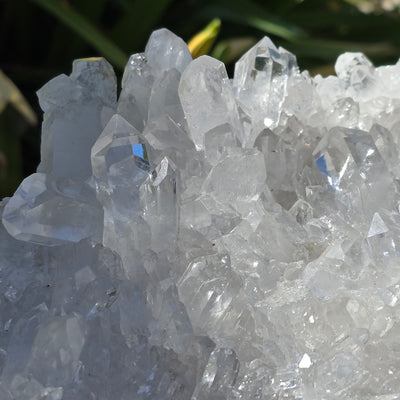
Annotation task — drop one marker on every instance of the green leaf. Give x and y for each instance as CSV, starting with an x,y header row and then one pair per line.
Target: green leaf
x,y
201,43
91,9
10,153
9,93
366,6
250,14
320,19
231,49
328,49
138,20
85,29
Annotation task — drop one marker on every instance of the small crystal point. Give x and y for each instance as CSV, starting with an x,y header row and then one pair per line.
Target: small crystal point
x,y
114,143
354,69
222,182
377,226
137,82
335,252
97,75
58,92
164,98
52,211
219,375
159,193
305,361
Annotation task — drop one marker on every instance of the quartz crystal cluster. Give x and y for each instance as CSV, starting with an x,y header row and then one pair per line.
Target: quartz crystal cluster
x,y
207,238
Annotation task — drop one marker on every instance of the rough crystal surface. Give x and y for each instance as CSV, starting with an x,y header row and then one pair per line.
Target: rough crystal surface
x,y
202,238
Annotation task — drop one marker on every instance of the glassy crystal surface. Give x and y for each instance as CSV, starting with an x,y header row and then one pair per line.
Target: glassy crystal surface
x,y
260,81
53,211
202,238
207,99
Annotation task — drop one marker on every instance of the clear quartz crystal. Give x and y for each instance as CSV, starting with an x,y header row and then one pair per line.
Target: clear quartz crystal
x,y
260,81
207,99
53,211
165,51
205,238
158,194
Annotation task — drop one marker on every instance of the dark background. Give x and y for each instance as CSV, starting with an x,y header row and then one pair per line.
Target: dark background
x,y
39,39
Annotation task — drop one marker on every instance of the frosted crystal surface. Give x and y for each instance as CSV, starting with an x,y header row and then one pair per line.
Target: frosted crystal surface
x,y
75,109
201,238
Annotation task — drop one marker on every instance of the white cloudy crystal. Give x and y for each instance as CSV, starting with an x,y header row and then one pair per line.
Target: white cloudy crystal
x,y
202,238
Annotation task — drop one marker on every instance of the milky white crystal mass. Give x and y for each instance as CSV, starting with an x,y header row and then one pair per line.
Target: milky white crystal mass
x,y
201,238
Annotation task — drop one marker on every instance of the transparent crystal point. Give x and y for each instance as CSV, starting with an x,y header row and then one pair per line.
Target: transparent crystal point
x,y
125,230
114,144
355,70
137,82
59,343
207,289
158,195
386,146
219,375
217,142
366,155
253,62
377,226
335,252
164,99
165,50
236,178
260,81
291,61
207,99
164,138
334,159
163,133
53,211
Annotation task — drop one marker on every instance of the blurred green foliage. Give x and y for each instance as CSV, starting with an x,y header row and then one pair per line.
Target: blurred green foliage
x,y
40,38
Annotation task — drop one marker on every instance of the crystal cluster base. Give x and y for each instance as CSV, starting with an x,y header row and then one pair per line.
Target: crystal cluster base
x,y
202,238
